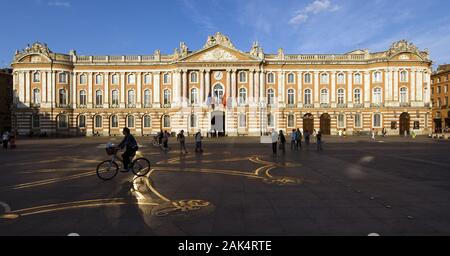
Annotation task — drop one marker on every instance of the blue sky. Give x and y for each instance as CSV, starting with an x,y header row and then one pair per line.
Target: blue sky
x,y
102,27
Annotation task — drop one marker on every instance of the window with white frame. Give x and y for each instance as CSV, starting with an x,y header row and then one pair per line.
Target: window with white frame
x,y
35,121
194,77
166,97
166,78
307,96
98,121
377,95
404,76
291,120
36,77
377,120
131,97
83,79
115,79
131,79
341,78
270,96
83,98
166,121
115,121
403,95
308,78
98,79
82,121
358,79
242,120
62,77
270,120
147,97
377,77
147,79
270,78
324,78
62,97
36,96
291,97
115,97
130,121
242,96
242,77
341,96
324,96
358,121
98,98
291,78
193,121
194,96
341,121
147,121
357,96
63,121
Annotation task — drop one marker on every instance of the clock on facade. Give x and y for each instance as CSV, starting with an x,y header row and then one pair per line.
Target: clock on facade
x,y
218,75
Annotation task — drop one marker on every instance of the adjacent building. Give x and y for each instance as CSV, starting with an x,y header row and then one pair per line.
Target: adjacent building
x,y
6,96
221,87
440,81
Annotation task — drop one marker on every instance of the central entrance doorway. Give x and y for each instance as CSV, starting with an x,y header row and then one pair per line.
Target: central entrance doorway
x,y
218,123
404,123
308,123
325,124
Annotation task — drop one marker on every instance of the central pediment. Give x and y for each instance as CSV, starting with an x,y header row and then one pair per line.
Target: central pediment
x,y
218,53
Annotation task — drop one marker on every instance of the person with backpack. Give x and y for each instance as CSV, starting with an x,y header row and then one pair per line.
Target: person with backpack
x,y
182,139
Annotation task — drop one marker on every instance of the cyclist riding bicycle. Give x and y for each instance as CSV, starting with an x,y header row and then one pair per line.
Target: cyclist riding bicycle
x,y
128,142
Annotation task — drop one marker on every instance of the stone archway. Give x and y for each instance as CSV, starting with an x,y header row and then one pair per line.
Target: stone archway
x,y
308,123
405,123
325,124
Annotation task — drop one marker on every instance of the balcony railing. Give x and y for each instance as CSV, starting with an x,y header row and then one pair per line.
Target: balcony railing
x,y
308,106
358,105
62,105
98,106
35,105
167,105
147,105
377,105
291,105
131,105
342,105
405,104
114,105
82,106
325,105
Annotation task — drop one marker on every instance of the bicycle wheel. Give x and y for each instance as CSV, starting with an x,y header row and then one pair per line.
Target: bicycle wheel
x,y
107,170
141,167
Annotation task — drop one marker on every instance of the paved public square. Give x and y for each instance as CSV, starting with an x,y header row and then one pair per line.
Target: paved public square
x,y
392,186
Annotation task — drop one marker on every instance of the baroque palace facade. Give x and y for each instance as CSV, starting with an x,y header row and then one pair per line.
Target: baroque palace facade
x,y
220,87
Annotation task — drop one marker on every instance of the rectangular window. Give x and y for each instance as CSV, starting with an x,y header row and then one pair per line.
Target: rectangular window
x,y
270,120
242,121
291,121
147,79
62,78
358,123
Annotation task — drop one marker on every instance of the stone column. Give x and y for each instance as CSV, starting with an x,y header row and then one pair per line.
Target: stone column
x,y
412,90
207,83
233,86
185,88
315,98
281,87
350,87
53,97
48,88
71,98
396,85
106,94
27,88
122,90
367,88
228,86
386,87
333,88
257,82
419,87
138,90
44,88
177,88
73,76
21,87
427,79
156,90
201,74
262,86
90,94
251,84
299,88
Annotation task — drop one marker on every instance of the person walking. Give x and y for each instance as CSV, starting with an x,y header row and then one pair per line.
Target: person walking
x,y
274,141
198,142
314,134
282,141
307,135
165,141
182,139
293,140
298,136
373,134
319,141
5,139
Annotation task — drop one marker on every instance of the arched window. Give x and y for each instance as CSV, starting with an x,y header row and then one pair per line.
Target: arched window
x,y
358,121
194,96
218,92
270,97
35,121
357,96
83,79
115,79
242,120
36,77
98,122
82,121
291,97
377,77
192,121
324,96
307,100
166,121
270,120
194,77
131,98
341,96
242,96
341,78
166,95
291,78
115,98
377,120
114,121
324,78
36,96
98,79
291,120
98,98
131,79
147,98
147,79
358,78
341,121
242,77
147,121
403,95
63,121
404,76
130,121
166,78
308,79
270,78
82,98
62,77
62,97
377,95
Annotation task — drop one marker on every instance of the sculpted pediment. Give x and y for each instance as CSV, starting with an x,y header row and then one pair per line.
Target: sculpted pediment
x,y
218,54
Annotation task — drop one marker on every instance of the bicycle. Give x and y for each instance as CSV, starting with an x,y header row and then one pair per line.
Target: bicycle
x,y
108,169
